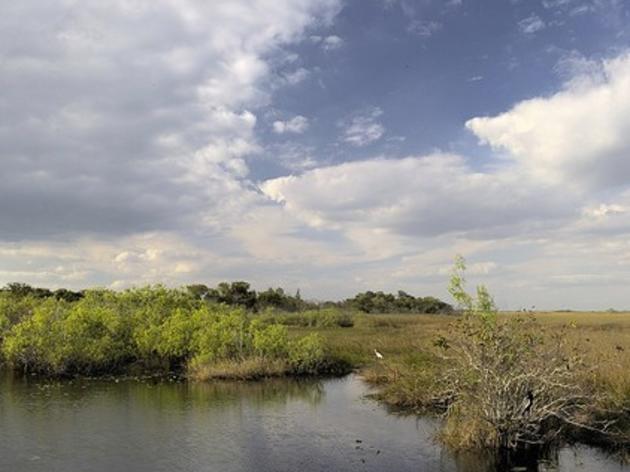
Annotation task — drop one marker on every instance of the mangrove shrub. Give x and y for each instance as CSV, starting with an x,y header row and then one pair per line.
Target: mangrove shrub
x,y
151,328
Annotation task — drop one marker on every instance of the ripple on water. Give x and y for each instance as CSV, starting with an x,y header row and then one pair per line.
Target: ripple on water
x,y
276,425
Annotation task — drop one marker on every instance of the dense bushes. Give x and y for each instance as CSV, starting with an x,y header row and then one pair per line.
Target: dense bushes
x,y
152,328
379,302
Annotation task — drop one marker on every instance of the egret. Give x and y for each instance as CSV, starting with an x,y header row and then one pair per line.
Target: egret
x,y
378,354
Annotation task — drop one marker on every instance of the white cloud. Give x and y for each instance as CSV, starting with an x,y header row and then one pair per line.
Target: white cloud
x,y
332,42
364,128
556,3
147,132
328,43
298,124
531,24
295,77
415,196
604,210
293,156
578,70
582,9
153,111
579,137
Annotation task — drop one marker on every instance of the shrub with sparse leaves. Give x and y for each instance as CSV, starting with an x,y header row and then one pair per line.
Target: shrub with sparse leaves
x,y
507,382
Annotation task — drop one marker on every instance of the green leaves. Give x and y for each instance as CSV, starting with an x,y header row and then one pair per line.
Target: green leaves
x,y
107,331
482,305
306,355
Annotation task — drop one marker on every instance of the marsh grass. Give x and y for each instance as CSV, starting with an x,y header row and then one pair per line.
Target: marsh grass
x,y
252,368
408,381
603,338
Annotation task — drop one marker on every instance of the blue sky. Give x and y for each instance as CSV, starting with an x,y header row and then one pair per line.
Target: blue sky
x,y
475,60
328,145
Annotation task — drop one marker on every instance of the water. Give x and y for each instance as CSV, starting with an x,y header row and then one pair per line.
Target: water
x,y
280,425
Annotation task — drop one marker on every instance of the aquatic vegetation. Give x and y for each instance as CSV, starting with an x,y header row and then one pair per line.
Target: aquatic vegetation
x,y
153,329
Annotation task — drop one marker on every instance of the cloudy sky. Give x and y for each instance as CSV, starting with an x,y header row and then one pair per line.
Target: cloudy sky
x,y
328,145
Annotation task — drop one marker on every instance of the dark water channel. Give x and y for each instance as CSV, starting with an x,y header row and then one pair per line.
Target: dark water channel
x,y
280,425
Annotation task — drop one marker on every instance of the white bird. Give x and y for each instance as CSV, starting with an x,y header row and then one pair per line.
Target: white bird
x,y
378,354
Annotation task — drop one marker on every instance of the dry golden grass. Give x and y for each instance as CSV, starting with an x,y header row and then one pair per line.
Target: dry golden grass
x,y
247,369
409,369
392,335
604,340
602,337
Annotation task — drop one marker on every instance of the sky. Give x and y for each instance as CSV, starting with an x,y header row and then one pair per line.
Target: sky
x,y
334,146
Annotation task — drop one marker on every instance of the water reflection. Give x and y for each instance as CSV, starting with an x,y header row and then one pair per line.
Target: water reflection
x,y
525,461
278,425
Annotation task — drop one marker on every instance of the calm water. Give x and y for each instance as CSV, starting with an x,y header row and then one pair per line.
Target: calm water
x,y
224,427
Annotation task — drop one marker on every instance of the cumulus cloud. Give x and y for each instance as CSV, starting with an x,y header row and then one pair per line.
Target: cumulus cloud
x,y
415,196
134,116
364,128
298,124
125,129
579,137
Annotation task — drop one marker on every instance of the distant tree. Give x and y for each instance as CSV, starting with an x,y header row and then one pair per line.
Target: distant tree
x,y
236,293
23,290
67,295
198,291
380,302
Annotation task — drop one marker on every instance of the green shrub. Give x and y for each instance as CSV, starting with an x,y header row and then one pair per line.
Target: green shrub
x,y
306,355
5,324
151,328
13,309
91,337
37,342
270,341
223,337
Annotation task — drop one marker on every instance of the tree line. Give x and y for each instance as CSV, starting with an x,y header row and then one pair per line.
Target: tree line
x,y
240,294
